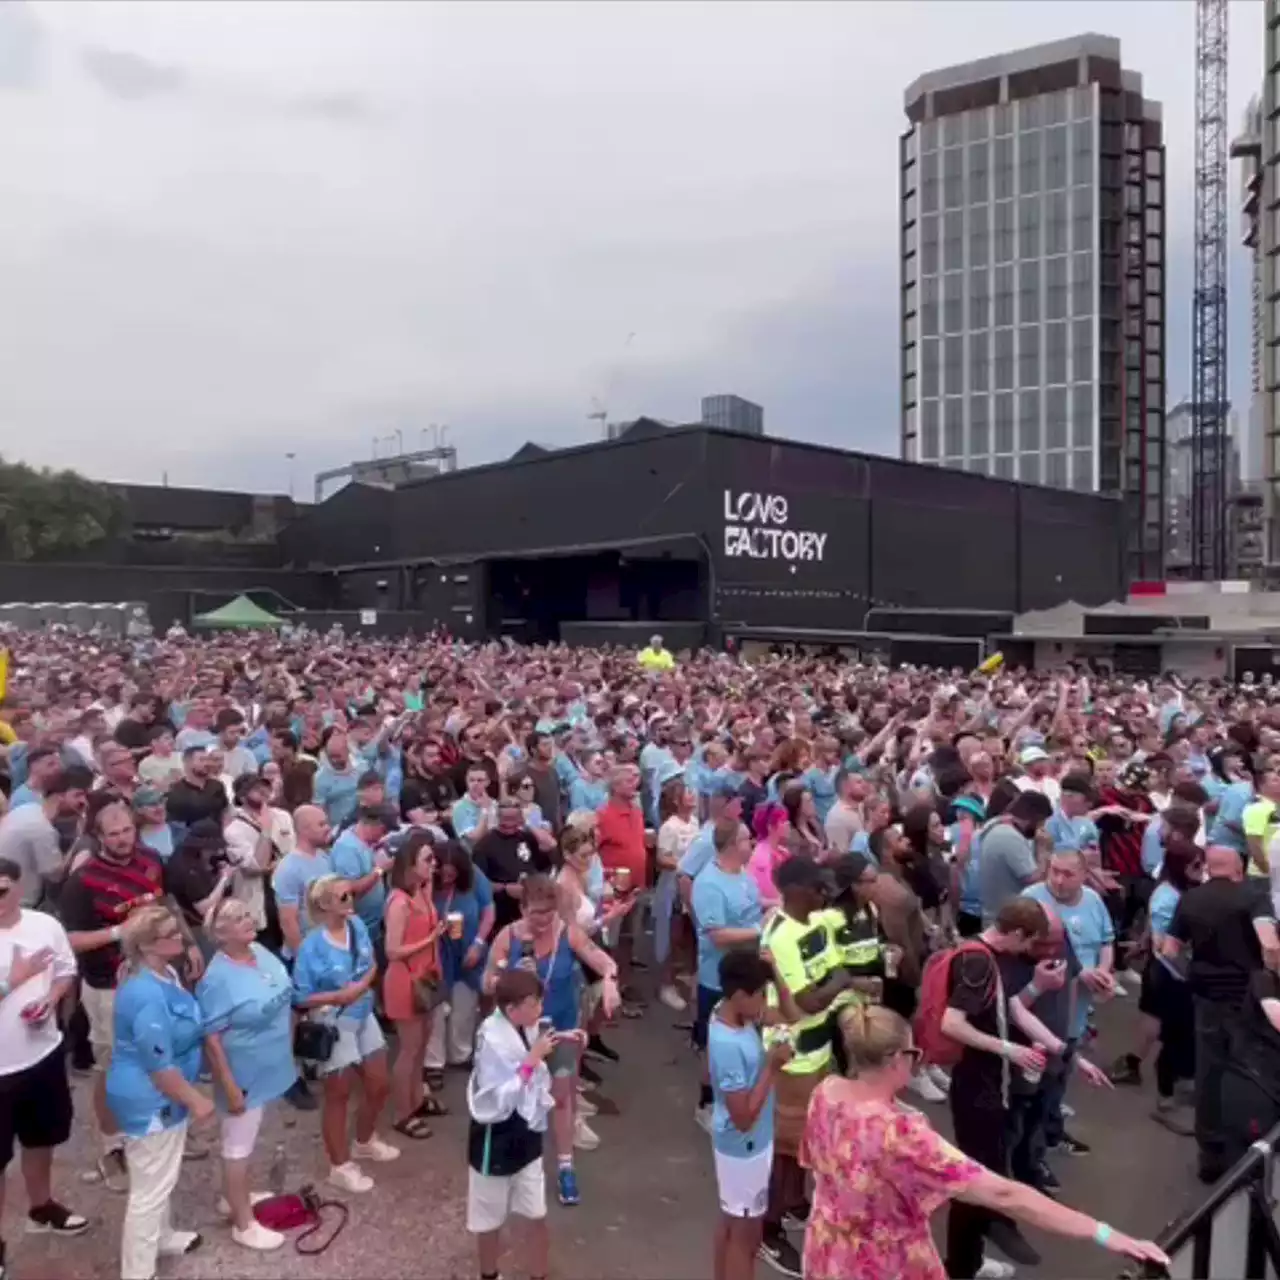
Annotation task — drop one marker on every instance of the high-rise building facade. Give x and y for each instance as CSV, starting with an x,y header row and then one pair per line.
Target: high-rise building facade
x,y
1269,279
734,414
1033,277
1180,484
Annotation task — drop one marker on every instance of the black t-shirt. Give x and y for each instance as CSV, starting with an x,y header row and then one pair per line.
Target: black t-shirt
x,y
753,794
437,790
190,878
1215,920
1262,1039
972,989
188,804
505,859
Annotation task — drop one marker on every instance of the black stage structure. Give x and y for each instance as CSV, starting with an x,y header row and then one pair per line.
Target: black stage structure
x,y
704,534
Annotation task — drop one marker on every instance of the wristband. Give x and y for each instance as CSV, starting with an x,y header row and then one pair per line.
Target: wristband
x,y
117,932
1006,1048
1101,1234
526,1074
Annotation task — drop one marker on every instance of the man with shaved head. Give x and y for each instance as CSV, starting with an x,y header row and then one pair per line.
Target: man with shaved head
x,y
1229,924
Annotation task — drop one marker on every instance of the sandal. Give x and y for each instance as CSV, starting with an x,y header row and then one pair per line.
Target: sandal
x,y
413,1127
433,1107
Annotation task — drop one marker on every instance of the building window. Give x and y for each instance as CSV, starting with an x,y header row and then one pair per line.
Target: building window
x,y
979,299
1055,418
979,120
1082,417
953,427
1003,119
952,130
1055,470
1082,102
1004,468
979,236
1055,297
929,306
930,356
1004,360
929,430
929,245
979,364
1029,468
1029,421
953,365
1004,423
929,136
1002,168
1004,296
953,302
1082,217
979,425
1055,159
929,183
1028,292
1154,163
1055,223
1029,227
1029,356
1004,231
979,172
979,465
1055,357
1082,284
953,178
1082,470
1029,160
952,241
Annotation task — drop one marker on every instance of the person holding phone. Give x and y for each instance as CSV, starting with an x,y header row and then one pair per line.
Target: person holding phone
x,y
509,1098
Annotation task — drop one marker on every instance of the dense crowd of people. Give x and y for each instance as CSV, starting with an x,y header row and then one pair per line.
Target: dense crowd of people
x,y
235,869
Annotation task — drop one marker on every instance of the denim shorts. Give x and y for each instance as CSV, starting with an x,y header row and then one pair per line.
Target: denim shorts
x,y
356,1042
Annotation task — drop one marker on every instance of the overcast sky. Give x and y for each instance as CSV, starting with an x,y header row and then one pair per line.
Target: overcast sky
x,y
231,231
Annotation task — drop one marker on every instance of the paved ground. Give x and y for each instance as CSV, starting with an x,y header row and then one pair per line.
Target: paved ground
x,y
648,1193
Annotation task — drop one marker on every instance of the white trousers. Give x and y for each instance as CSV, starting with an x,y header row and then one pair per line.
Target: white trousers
x,y
453,1029
154,1165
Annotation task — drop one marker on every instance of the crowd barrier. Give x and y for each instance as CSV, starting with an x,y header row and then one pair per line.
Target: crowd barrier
x,y
1232,1234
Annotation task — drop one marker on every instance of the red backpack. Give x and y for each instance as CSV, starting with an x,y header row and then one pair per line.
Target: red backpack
x,y
935,989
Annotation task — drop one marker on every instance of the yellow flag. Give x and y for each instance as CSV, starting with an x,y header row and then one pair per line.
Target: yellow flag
x,y
4,672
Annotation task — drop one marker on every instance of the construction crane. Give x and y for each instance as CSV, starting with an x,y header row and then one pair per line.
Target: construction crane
x,y
1209,299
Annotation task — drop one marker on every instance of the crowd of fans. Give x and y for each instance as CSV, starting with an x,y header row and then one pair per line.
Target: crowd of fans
x,y
234,868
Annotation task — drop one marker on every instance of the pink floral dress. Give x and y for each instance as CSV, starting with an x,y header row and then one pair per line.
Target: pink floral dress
x,y
879,1173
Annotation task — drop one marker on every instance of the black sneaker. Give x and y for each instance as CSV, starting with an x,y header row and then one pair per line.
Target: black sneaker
x,y
596,1048
1012,1243
1127,1069
590,1074
114,1171
1070,1146
300,1097
779,1253
1045,1179
55,1219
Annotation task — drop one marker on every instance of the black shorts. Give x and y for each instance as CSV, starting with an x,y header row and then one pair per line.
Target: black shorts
x,y
708,998
35,1106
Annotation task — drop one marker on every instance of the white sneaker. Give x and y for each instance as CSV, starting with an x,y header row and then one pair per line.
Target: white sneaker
x,y
585,1138
255,1197
1068,1111
376,1150
940,1076
1132,975
673,999
702,1117
586,1109
1120,991
994,1269
257,1237
924,1088
177,1243
350,1177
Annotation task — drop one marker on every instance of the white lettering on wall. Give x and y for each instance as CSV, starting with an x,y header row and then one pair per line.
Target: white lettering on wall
x,y
755,526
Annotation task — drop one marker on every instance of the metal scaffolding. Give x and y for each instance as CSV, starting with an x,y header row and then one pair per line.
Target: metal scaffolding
x,y
1209,301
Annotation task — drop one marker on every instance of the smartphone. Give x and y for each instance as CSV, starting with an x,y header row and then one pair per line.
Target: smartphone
x,y
545,1027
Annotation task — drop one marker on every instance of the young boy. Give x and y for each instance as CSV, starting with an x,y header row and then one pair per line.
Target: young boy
x,y
509,1098
742,1076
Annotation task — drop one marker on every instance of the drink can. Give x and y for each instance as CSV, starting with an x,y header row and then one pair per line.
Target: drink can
x,y
622,879
890,963
1032,1075
455,919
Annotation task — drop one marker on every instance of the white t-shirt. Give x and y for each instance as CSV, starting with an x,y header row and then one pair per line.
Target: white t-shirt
x,y
1047,786
23,1045
676,835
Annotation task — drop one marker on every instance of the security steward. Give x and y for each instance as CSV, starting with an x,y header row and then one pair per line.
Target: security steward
x,y
854,925
809,979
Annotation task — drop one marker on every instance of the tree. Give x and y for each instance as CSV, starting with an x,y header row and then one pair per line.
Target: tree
x,y
46,513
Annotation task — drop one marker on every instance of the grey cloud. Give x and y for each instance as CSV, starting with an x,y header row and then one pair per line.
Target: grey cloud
x,y
23,46
131,76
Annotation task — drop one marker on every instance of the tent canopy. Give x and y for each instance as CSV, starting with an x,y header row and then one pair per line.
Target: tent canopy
x,y
240,612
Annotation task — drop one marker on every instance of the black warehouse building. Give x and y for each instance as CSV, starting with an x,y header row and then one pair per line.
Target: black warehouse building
x,y
704,534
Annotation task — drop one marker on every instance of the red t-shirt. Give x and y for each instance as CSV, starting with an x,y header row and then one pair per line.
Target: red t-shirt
x,y
621,830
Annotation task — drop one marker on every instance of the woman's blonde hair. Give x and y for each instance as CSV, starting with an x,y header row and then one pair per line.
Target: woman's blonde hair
x,y
318,891
224,913
142,930
872,1035
581,820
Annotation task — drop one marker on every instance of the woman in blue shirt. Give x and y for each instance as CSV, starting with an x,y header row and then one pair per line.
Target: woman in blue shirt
x,y
335,973
245,997
150,1085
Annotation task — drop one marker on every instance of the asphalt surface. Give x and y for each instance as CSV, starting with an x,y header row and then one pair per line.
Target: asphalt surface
x,y
648,1193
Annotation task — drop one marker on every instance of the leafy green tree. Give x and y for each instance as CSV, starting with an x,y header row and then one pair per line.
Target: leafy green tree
x,y
46,513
